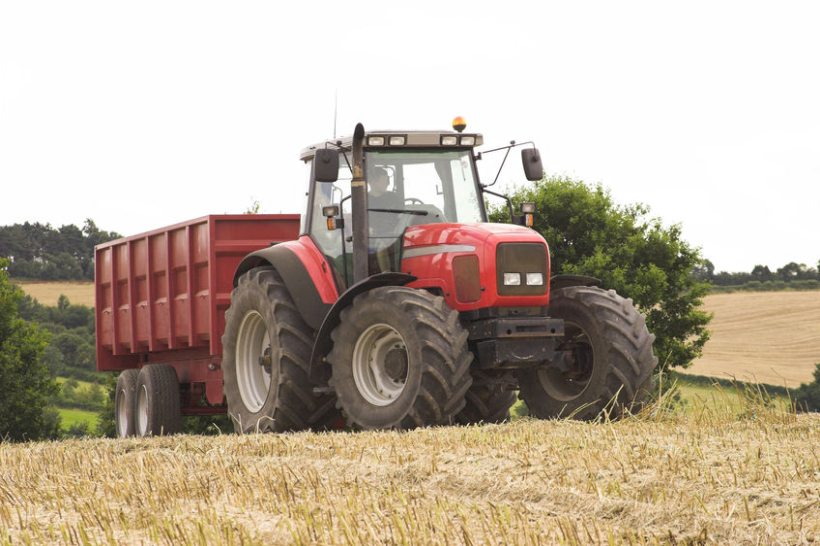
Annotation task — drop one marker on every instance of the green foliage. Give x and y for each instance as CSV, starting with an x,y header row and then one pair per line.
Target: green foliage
x,y
637,256
71,350
105,415
39,251
807,395
25,383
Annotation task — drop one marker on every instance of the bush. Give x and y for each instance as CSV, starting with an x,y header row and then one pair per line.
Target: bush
x,y
807,395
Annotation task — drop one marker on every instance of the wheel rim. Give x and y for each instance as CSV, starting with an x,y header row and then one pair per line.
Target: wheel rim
x,y
380,364
142,411
122,415
254,379
570,378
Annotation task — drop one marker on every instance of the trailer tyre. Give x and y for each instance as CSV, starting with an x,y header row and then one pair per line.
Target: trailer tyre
x,y
399,360
125,403
266,355
157,401
606,363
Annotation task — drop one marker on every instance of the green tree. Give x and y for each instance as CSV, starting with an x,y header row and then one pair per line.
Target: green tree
x,y
25,383
589,234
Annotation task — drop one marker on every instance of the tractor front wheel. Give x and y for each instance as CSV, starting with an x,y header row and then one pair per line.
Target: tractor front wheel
x,y
604,363
399,360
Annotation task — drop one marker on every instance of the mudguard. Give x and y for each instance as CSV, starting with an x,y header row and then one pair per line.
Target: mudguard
x,y
296,276
323,342
562,281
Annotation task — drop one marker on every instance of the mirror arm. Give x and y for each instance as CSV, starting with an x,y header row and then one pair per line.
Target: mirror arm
x,y
504,197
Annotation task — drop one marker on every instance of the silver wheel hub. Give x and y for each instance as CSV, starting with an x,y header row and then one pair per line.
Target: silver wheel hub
x,y
252,352
142,411
122,416
380,364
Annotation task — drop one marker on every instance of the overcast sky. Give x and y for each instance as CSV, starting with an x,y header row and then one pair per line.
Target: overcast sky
x,y
143,114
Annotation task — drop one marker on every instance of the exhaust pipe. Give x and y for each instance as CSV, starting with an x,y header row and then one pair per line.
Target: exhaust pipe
x,y
358,203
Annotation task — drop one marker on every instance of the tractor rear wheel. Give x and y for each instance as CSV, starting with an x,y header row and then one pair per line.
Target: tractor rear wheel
x,y
605,359
266,354
486,401
400,360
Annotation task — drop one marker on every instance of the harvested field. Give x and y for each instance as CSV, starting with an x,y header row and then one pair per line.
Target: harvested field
x,y
47,293
675,479
768,337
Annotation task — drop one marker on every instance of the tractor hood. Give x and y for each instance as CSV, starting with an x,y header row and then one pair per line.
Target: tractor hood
x,y
467,234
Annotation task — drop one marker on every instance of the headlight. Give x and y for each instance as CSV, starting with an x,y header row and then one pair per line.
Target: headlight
x,y
397,140
375,141
448,140
512,279
535,279
468,141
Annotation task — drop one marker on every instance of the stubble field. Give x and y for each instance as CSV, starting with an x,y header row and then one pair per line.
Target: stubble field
x,y
715,479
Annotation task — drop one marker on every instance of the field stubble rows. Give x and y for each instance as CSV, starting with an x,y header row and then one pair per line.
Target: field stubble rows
x,y
675,479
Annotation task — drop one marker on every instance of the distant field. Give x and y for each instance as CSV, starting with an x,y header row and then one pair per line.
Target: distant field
x,y
71,416
768,337
47,293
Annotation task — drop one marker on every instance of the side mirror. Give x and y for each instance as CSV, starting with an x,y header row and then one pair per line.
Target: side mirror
x,y
326,165
531,159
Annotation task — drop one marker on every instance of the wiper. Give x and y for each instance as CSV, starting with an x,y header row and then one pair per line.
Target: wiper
x,y
402,211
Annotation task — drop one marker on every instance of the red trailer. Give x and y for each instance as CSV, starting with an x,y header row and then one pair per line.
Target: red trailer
x,y
161,297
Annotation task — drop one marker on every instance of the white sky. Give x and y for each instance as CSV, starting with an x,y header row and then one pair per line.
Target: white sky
x,y
144,114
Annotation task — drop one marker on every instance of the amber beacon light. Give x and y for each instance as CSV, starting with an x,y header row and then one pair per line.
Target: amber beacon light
x,y
459,124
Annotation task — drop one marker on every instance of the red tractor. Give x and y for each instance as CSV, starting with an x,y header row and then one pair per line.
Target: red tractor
x,y
401,306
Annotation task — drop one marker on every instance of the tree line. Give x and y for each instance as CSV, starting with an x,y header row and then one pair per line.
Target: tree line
x,y
40,251
791,272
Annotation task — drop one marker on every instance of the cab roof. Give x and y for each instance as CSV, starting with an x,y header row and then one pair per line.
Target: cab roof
x,y
412,139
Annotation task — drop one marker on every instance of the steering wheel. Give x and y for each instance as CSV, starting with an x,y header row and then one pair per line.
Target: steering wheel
x,y
413,201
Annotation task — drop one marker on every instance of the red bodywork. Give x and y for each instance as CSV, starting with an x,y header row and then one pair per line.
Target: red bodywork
x,y
437,271
161,296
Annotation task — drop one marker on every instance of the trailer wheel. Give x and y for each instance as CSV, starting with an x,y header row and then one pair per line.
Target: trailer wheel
x,y
266,355
157,401
606,359
124,403
486,402
399,360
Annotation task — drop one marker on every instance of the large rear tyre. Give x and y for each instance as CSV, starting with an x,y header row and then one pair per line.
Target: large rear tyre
x,y
266,354
606,359
157,401
486,402
400,360
125,403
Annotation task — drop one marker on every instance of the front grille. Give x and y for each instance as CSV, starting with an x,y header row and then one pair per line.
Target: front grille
x,y
521,258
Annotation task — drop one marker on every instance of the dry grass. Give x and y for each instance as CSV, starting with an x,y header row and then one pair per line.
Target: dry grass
x,y
47,293
769,337
669,478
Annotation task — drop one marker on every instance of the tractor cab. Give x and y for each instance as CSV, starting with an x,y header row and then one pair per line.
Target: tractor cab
x,y
412,179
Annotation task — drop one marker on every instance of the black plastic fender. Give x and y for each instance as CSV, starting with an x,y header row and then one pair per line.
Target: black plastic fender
x,y
558,282
296,278
323,343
